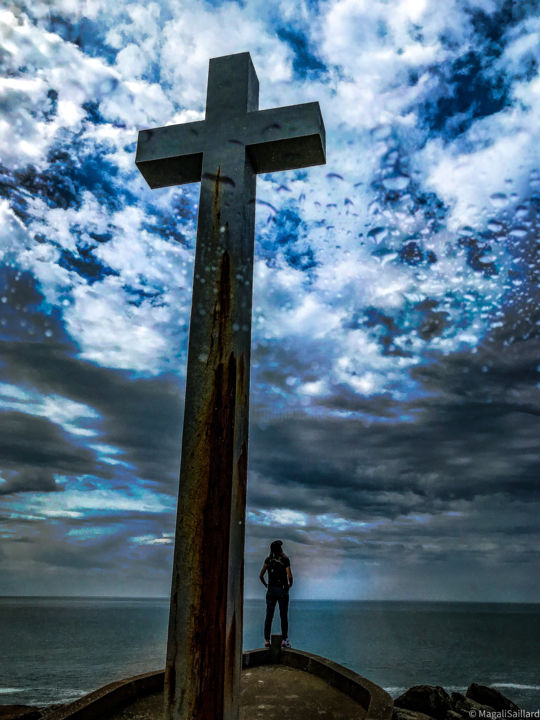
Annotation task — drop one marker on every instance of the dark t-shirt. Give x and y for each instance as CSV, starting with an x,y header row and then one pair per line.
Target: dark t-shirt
x,y
277,573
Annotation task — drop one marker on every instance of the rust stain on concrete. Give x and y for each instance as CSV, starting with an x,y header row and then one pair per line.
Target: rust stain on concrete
x,y
215,487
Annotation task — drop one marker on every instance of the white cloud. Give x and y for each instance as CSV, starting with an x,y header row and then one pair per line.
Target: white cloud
x,y
113,333
280,516
479,183
51,64
70,415
369,109
81,503
153,540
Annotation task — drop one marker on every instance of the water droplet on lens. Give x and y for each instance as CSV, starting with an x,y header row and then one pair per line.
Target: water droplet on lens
x,y
378,234
498,199
518,232
396,182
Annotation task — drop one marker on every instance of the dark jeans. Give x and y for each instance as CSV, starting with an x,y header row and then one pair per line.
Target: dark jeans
x,y
276,595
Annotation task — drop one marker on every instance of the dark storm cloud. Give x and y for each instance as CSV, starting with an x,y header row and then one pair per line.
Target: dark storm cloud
x,y
96,555
87,555
33,480
33,448
473,434
104,538
141,417
442,465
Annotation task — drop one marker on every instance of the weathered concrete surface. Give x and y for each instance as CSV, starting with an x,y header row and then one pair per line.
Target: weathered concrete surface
x,y
276,691
269,692
107,699
129,698
274,683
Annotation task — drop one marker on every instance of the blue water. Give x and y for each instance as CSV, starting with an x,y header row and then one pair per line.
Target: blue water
x,y
56,649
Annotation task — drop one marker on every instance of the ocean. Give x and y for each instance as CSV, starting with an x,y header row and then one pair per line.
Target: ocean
x,y
57,649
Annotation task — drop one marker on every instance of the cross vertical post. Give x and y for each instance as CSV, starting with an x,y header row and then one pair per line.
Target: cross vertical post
x,y
224,152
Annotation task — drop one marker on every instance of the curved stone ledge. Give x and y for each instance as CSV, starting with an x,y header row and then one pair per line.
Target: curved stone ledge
x,y
96,705
114,696
376,701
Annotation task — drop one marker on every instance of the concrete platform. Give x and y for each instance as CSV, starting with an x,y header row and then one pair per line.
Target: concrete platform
x,y
269,692
276,684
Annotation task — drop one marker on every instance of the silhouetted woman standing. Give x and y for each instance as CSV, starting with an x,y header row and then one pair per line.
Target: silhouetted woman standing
x,y
280,579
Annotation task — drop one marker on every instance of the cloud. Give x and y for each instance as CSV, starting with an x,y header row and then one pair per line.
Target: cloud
x,y
140,420
393,392
33,480
34,447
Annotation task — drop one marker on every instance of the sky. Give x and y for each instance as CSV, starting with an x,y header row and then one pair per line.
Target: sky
x,y
394,390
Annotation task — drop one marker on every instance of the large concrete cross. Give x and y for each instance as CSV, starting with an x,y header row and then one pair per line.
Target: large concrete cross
x,y
224,152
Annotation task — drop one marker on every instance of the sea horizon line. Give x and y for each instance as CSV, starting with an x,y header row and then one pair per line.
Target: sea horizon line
x,y
261,599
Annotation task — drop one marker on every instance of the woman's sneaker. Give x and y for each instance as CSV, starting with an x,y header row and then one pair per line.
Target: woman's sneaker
x,y
285,643
267,643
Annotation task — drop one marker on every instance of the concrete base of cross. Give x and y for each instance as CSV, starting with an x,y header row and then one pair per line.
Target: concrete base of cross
x,y
275,647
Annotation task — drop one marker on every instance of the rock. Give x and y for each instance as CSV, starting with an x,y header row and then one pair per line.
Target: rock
x,y
490,696
404,714
19,712
432,700
453,715
463,705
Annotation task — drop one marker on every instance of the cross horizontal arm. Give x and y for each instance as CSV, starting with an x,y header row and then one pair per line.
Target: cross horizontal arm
x,y
286,138
171,155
